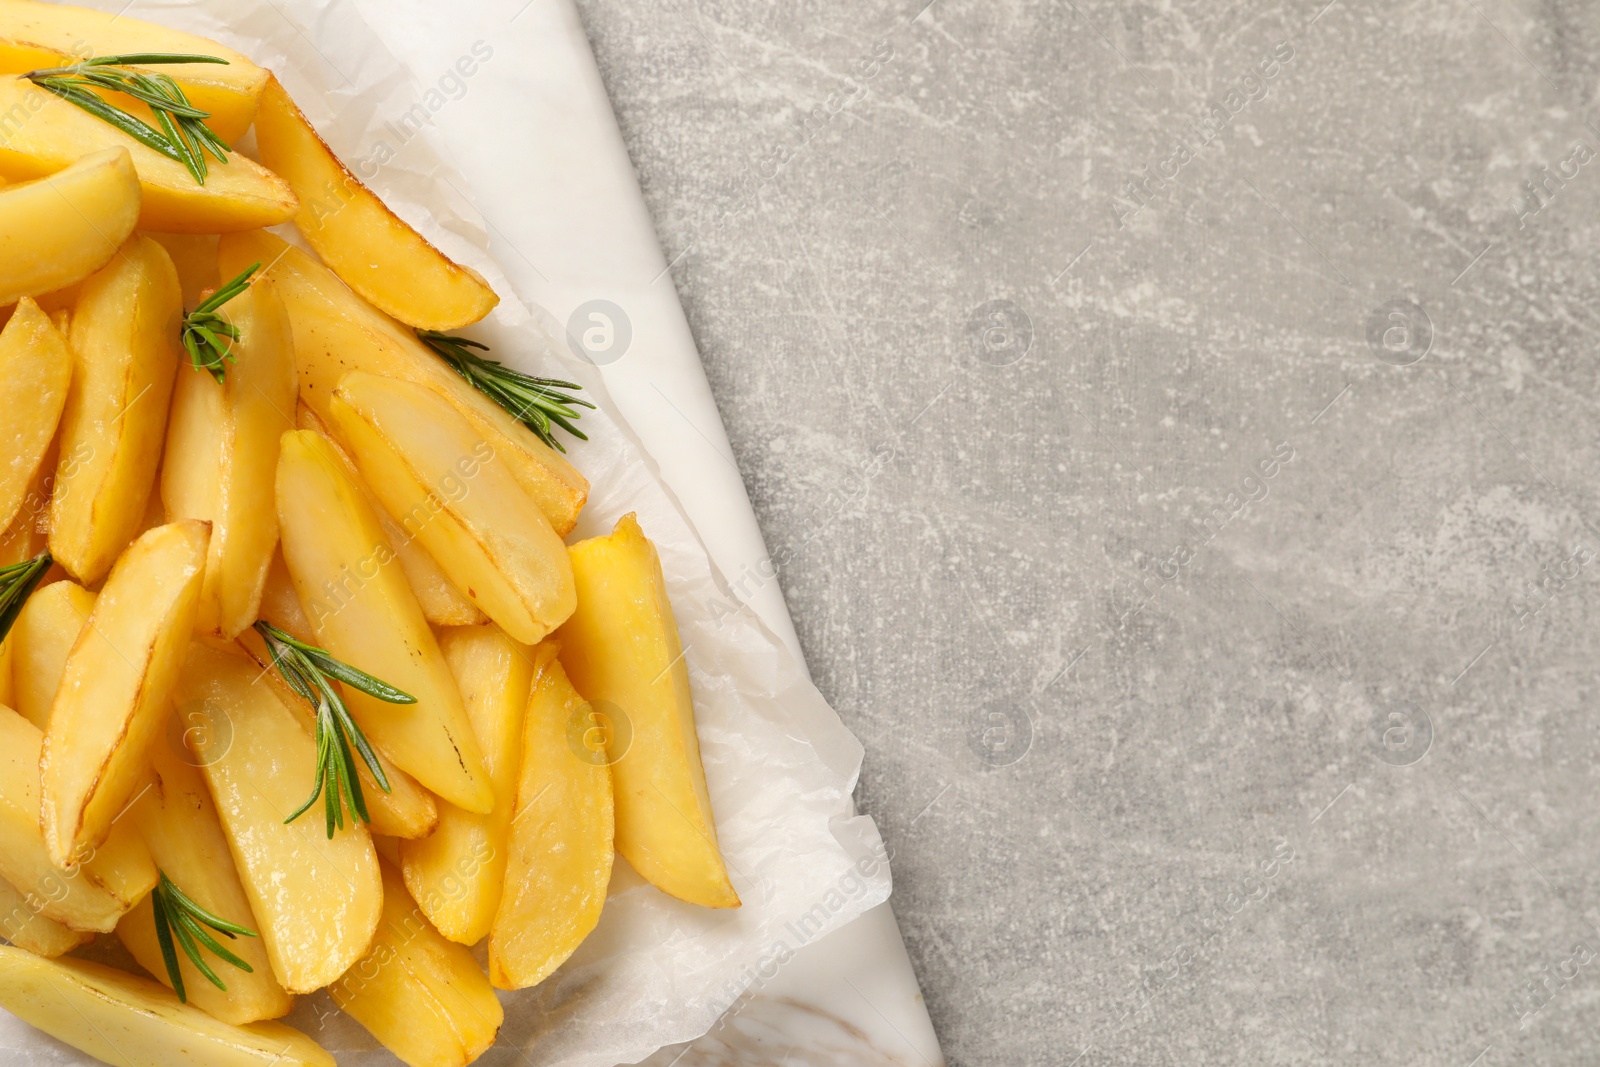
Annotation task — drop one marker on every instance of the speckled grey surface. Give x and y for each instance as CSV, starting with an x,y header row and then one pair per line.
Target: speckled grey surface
x,y
1165,479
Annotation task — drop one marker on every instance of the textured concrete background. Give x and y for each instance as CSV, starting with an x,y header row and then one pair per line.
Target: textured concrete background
x,y
1176,423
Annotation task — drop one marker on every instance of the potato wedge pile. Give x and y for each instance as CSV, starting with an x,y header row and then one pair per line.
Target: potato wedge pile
x,y
301,686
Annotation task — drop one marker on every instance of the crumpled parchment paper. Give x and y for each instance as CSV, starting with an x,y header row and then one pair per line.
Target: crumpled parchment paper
x,y
779,763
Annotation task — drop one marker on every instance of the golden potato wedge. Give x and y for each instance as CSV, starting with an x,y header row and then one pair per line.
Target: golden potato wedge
x,y
134,1022
122,863
43,636
125,353
197,421
26,537
622,647
222,458
280,604
371,248
94,893
442,603
316,899
40,134
24,927
35,370
336,331
61,228
195,256
561,842
154,513
185,838
407,810
388,849
456,874
443,484
424,998
7,695
35,35
365,614
116,689
29,532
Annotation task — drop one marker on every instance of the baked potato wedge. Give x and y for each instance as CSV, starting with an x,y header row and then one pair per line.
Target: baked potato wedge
x,y
45,134
222,458
133,1022
316,899
35,35
423,997
116,689
407,810
28,534
455,874
60,228
280,604
125,353
103,883
622,647
442,483
442,602
41,639
365,614
35,370
180,825
560,850
25,927
195,256
371,248
7,694
335,331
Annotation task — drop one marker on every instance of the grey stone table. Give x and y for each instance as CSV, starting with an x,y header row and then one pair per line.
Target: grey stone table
x,y
1175,423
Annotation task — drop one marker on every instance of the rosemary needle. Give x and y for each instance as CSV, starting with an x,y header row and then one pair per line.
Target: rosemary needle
x,y
535,402
204,329
310,671
183,136
17,583
178,918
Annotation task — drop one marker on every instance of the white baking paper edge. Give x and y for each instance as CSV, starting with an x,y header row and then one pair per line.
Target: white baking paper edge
x,y
779,763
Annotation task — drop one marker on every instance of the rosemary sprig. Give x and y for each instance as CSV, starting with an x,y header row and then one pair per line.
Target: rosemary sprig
x,y
310,672
534,402
179,918
183,136
204,329
17,583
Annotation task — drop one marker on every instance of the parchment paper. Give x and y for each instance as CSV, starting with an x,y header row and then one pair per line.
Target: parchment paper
x,y
779,763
